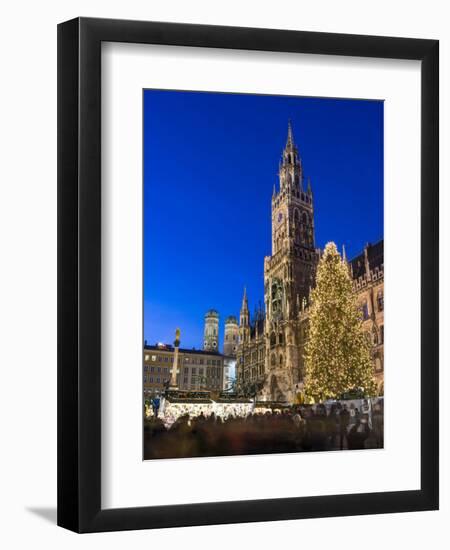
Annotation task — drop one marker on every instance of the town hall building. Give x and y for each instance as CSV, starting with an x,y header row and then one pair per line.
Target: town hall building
x,y
269,355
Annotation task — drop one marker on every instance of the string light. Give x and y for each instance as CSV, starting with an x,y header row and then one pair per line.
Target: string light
x,y
338,351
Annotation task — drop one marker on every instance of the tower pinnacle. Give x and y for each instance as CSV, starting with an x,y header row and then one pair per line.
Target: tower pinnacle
x,y
290,136
244,300
244,319
290,170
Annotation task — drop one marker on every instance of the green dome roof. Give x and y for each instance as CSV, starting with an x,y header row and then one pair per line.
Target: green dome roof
x,y
231,319
212,313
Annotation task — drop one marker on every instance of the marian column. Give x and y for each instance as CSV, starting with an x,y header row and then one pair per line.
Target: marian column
x,y
175,371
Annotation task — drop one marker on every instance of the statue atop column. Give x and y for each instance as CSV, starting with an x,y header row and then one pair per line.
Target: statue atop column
x,y
175,371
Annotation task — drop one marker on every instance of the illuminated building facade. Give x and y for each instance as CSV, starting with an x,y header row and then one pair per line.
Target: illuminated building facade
x,y
270,361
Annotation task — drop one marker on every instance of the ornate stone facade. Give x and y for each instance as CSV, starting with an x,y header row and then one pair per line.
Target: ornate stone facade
x,y
270,351
367,271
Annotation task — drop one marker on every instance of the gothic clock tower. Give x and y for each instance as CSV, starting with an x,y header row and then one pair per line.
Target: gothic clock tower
x,y
289,272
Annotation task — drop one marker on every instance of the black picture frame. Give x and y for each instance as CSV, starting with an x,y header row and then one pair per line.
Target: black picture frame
x,y
79,274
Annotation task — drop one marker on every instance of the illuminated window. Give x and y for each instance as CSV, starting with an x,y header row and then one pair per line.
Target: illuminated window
x,y
380,300
153,357
273,340
365,311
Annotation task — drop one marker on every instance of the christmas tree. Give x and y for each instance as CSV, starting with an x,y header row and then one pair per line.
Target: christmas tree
x,y
337,352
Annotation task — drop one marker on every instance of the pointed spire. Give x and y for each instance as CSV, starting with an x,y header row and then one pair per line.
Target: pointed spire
x,y
274,190
366,260
309,190
290,136
244,299
344,255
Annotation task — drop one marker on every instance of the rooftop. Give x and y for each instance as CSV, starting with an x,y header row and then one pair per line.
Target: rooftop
x,y
171,349
375,256
212,313
231,319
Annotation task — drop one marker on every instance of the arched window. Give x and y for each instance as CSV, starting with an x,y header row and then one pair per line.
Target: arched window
x,y
273,340
273,360
365,311
304,218
281,338
281,360
296,215
380,300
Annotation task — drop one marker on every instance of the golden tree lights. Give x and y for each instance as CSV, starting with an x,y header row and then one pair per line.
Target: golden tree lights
x,y
337,353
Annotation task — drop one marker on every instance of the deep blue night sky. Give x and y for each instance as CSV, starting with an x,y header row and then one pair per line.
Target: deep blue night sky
x,y
210,162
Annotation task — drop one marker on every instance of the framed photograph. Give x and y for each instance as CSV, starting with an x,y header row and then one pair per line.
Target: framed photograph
x,y
247,275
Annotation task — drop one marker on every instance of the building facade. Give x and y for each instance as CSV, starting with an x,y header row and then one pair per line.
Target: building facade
x,y
271,345
367,270
198,370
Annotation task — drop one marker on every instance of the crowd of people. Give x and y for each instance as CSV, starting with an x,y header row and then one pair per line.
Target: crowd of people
x,y
294,429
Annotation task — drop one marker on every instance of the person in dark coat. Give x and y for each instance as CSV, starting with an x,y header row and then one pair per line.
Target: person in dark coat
x,y
344,419
156,402
358,435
